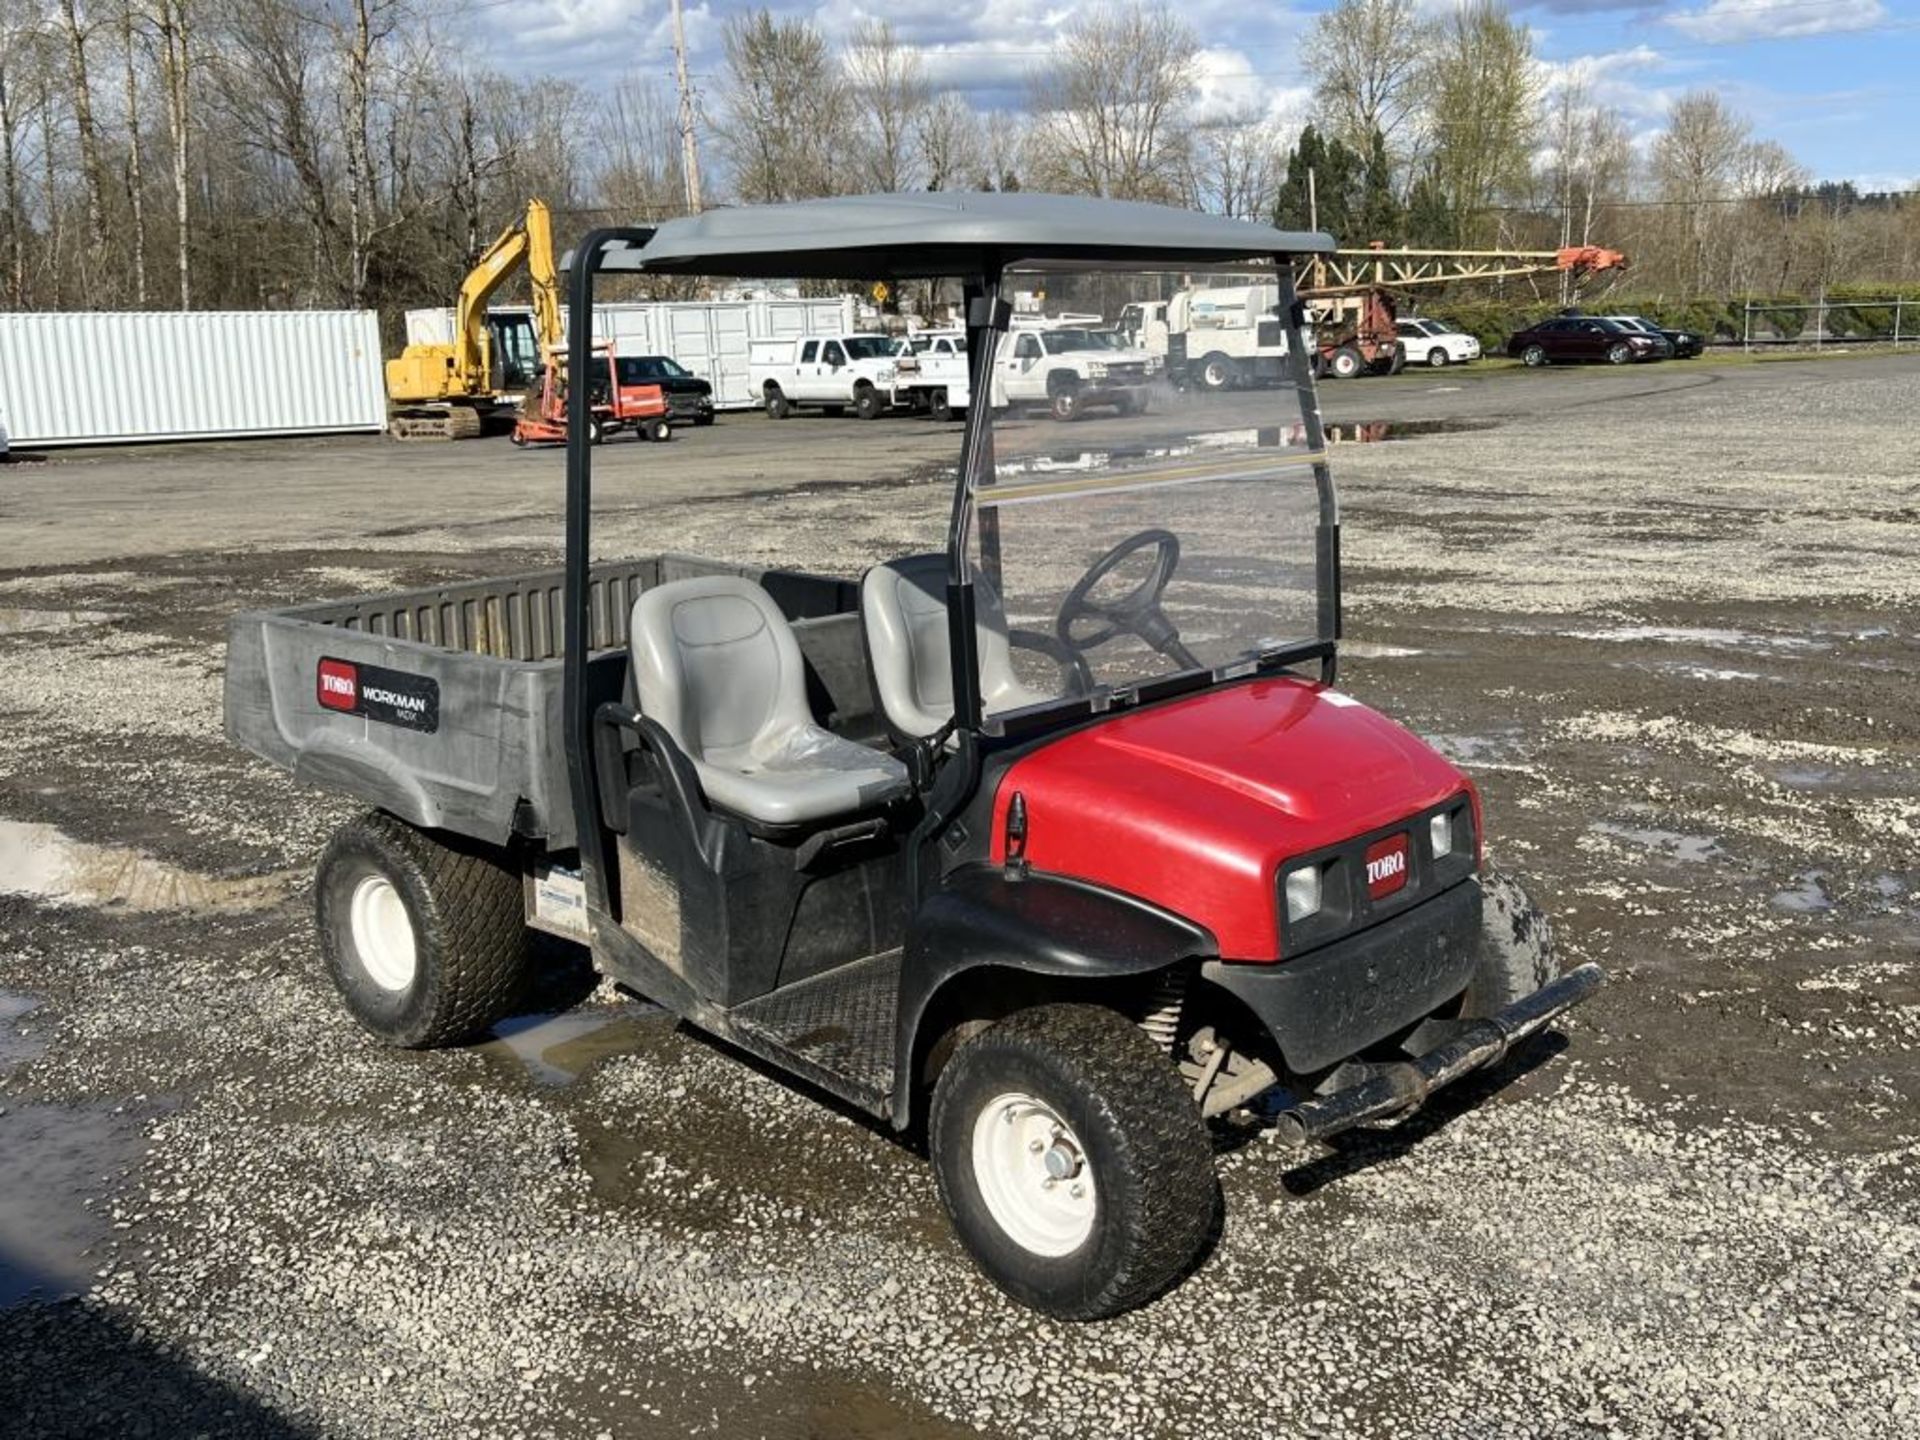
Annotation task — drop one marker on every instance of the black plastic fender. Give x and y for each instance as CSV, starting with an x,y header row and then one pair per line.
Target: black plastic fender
x,y
1040,924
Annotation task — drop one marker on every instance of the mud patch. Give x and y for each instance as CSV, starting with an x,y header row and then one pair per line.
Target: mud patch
x,y
42,863
56,1166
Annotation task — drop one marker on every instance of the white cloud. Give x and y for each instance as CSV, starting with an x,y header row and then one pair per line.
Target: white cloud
x,y
1725,22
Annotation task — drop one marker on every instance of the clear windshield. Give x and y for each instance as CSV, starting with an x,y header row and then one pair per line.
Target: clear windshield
x,y
868,347
1130,528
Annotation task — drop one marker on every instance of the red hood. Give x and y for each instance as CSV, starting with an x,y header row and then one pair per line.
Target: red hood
x,y
1195,804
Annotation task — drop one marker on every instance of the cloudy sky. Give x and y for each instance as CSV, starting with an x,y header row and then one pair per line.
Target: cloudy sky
x,y
1832,80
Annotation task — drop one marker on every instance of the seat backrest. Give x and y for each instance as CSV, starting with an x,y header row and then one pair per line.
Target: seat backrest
x,y
903,605
716,664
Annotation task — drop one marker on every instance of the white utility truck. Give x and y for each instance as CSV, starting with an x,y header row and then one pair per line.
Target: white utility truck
x,y
930,372
1220,337
834,373
1072,369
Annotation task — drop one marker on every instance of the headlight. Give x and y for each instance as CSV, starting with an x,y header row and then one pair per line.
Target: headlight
x,y
1440,832
1303,893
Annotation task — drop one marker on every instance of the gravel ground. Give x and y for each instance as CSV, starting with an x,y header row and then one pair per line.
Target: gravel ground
x,y
1670,621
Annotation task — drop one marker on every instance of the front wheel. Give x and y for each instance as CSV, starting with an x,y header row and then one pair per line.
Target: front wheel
x,y
1437,358
1534,356
426,940
867,403
1347,362
1072,1161
1216,373
1516,948
656,430
1619,354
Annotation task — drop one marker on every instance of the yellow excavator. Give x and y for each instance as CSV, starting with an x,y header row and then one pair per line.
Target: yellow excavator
x,y
445,391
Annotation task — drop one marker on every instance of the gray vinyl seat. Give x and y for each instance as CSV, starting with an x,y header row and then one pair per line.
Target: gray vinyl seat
x,y
715,663
903,604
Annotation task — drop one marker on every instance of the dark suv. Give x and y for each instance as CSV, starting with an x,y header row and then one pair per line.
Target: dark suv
x,y
1585,337
688,396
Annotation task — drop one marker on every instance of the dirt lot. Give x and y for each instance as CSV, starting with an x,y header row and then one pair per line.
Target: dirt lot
x,y
1669,618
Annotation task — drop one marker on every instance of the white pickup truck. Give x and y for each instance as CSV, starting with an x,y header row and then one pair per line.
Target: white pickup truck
x,y
1072,369
931,372
834,373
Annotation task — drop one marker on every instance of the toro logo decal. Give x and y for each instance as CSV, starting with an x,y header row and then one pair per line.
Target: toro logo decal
x,y
1386,866
391,697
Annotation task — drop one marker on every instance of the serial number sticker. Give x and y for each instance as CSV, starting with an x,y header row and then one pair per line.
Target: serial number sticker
x,y
391,697
560,898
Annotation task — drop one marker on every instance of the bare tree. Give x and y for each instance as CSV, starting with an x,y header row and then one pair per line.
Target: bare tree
x,y
1110,112
92,167
1004,145
169,21
784,109
17,35
1365,58
888,85
135,183
1236,165
950,143
1693,165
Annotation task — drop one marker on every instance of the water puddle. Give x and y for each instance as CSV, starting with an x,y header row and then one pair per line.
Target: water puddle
x,y
1687,849
1374,432
1808,777
1369,650
14,1045
1696,635
1471,749
1809,896
559,1049
55,1168
17,621
42,863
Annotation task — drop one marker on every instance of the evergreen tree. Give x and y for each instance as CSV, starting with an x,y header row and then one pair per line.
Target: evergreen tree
x,y
1338,183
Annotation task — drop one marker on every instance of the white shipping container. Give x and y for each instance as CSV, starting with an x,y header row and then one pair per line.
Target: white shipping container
x,y
107,378
709,337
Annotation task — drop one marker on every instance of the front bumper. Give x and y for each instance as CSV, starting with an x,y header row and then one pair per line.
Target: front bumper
x,y
1335,1001
1390,1090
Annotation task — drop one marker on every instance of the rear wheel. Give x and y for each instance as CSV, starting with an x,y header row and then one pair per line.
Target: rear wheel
x,y
1534,355
867,403
939,406
1437,358
778,405
425,940
1347,362
1072,1160
596,432
1217,372
656,430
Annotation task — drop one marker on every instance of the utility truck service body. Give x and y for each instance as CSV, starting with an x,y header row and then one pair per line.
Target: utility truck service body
x,y
1057,845
931,372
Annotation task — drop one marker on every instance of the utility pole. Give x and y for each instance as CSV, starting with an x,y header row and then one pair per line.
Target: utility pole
x,y
689,144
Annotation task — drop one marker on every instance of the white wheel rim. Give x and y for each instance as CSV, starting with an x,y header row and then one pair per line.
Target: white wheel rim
x,y
1033,1175
383,933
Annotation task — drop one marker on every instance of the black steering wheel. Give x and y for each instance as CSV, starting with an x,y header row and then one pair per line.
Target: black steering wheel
x,y
1137,612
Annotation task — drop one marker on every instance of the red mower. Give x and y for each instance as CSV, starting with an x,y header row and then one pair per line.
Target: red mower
x,y
618,402
1055,848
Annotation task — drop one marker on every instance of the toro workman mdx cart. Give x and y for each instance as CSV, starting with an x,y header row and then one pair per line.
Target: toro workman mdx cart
x,y
1052,844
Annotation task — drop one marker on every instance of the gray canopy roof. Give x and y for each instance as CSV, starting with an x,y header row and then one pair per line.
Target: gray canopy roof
x,y
949,233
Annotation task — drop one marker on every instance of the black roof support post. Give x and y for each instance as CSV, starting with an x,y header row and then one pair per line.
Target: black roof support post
x,y
588,256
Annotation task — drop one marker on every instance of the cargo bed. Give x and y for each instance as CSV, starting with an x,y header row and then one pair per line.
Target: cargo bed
x,y
443,705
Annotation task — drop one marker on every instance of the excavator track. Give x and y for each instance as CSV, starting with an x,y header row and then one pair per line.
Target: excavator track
x,y
456,422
